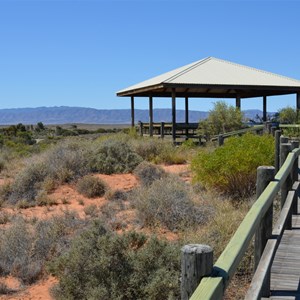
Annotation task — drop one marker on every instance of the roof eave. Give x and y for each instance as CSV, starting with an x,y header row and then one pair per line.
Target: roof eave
x,y
133,92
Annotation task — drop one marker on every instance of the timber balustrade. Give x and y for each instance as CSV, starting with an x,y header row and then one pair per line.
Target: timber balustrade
x,y
257,223
190,130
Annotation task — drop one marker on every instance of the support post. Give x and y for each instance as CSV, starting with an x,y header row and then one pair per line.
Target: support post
x,y
186,116
196,262
132,111
162,130
264,108
265,174
277,149
150,116
173,115
238,102
141,128
298,103
220,140
285,149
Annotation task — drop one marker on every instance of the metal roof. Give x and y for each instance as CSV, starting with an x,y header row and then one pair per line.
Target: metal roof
x,y
213,77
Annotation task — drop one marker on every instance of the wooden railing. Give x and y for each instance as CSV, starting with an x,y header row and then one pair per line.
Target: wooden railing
x,y
184,130
220,138
258,223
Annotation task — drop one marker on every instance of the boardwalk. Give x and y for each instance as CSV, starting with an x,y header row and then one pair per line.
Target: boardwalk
x,y
285,271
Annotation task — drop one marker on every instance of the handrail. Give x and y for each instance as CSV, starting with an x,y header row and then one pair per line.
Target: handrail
x,y
237,132
213,287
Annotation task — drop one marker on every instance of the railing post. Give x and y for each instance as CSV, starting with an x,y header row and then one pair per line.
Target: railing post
x,y
220,140
277,149
196,262
265,174
141,128
162,130
285,149
295,145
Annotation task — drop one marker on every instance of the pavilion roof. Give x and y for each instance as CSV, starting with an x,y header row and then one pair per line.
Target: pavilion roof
x,y
213,77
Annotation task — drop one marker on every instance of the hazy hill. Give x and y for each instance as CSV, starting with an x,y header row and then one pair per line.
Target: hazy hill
x,y
64,115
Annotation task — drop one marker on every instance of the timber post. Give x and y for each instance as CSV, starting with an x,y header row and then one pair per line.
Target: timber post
x,y
285,149
196,262
277,149
295,145
220,140
141,127
162,130
265,174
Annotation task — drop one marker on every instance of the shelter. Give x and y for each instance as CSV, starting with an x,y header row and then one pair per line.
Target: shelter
x,y
211,78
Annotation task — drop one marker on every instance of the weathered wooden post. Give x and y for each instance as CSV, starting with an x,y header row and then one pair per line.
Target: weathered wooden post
x,y
141,128
196,262
162,130
220,140
277,149
273,130
265,174
285,149
295,145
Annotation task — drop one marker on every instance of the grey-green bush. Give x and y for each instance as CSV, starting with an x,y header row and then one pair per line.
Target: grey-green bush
x,y
105,265
147,173
169,202
114,156
91,186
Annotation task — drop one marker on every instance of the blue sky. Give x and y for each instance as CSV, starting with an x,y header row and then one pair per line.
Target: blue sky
x,y
79,53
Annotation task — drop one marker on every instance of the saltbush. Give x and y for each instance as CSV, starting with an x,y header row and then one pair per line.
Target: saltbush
x,y
231,169
169,202
104,265
147,173
158,151
25,248
114,156
91,186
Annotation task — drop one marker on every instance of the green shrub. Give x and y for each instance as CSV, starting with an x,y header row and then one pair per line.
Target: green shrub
x,y
231,169
168,201
104,265
147,173
91,187
114,156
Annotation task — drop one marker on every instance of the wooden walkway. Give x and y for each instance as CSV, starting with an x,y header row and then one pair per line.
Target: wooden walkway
x,y
285,271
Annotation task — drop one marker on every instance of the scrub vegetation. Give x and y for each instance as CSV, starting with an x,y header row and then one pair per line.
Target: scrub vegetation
x,y
127,247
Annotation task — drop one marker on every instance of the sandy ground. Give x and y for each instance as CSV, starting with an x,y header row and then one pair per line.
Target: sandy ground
x,y
68,198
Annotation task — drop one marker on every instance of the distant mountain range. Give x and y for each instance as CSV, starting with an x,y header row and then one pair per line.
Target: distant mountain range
x,y
66,115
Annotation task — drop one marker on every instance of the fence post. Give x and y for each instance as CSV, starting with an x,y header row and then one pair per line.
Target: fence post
x,y
196,262
295,145
285,149
220,140
265,174
162,130
277,149
141,128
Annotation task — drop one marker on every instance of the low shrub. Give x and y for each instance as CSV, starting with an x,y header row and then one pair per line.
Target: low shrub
x,y
158,151
169,202
91,187
231,169
114,156
104,265
147,173
25,248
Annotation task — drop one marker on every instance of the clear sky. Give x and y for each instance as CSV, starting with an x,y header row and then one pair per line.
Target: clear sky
x,y
80,53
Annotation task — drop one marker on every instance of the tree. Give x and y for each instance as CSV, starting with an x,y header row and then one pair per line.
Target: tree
x,y
288,115
222,118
